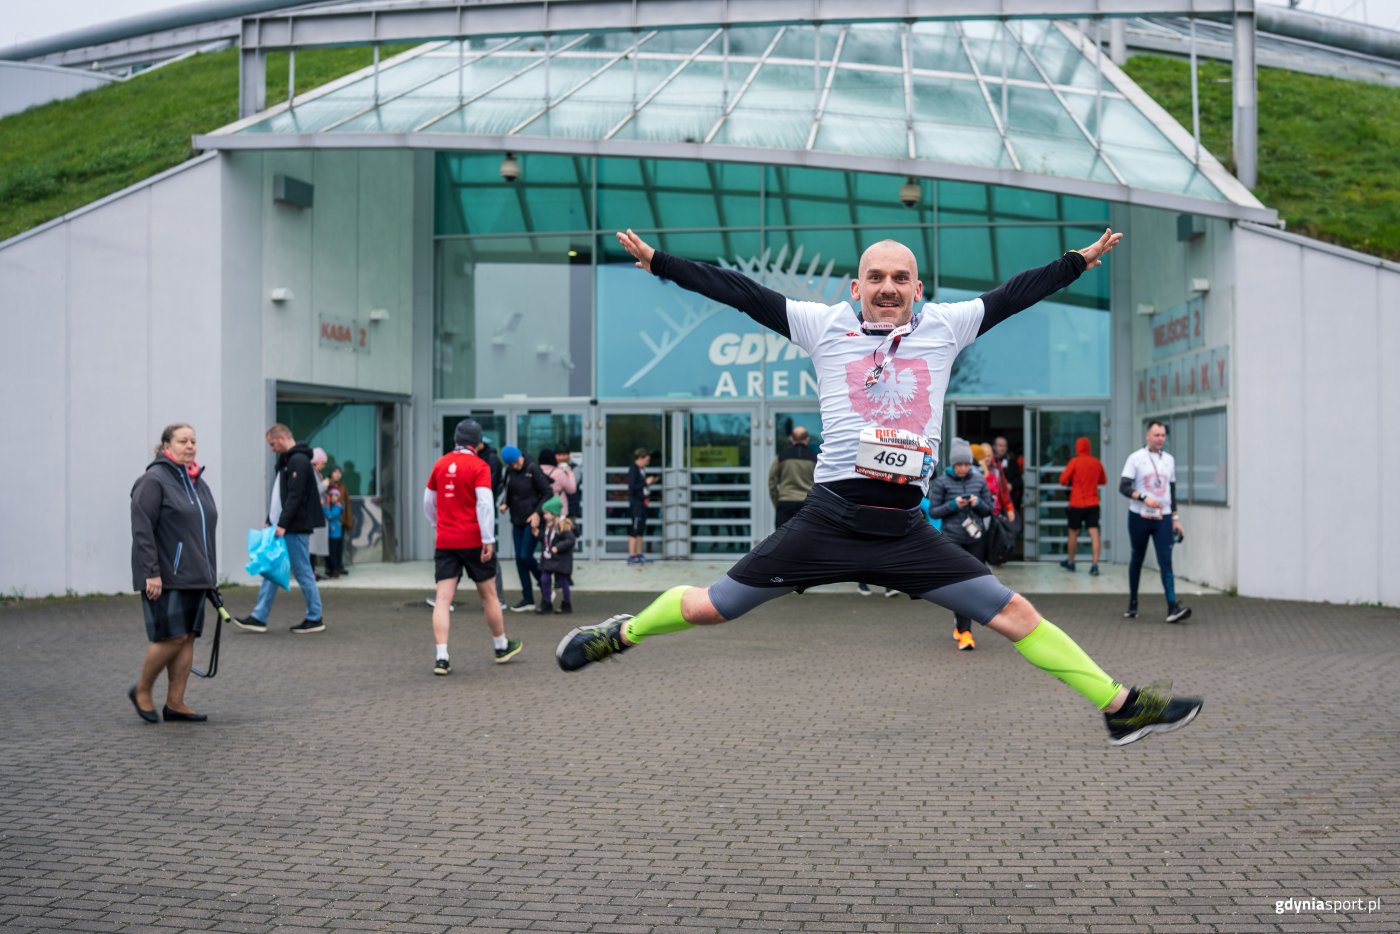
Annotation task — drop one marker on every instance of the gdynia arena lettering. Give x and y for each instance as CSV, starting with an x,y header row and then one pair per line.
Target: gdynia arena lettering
x,y
741,354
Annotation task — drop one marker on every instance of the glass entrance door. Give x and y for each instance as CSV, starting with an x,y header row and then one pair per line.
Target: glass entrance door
x,y
1052,433
703,502
538,431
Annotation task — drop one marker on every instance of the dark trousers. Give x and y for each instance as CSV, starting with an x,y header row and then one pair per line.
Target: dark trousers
x,y
978,549
525,563
550,578
335,564
1160,532
785,511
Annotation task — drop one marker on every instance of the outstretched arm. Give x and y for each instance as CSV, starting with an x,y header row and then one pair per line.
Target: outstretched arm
x,y
1024,289
767,307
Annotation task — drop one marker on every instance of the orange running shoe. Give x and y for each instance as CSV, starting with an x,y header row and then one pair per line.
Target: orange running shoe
x,y
965,641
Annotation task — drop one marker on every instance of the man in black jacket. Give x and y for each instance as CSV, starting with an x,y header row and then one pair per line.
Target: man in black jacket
x,y
526,487
295,510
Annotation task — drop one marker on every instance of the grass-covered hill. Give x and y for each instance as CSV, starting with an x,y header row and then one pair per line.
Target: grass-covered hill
x,y
1329,150
65,154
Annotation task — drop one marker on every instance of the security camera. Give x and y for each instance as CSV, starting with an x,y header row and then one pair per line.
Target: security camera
x,y
909,193
510,168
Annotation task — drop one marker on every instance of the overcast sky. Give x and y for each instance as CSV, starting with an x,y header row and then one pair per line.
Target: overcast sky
x,y
23,20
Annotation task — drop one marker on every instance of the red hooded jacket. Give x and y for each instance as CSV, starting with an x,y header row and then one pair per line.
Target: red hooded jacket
x,y
1083,475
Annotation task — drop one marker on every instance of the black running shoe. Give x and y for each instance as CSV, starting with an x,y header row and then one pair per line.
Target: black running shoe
x,y
588,644
524,606
512,649
308,625
251,624
442,667
1178,613
1130,612
1153,711
566,607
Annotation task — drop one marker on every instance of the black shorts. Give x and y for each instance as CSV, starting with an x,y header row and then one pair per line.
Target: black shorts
x,y
637,525
451,562
1087,517
833,540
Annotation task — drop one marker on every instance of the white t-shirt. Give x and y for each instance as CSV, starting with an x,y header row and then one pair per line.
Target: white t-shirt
x,y
909,392
1152,475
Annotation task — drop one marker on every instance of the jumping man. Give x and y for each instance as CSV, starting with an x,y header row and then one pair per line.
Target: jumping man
x,y
882,373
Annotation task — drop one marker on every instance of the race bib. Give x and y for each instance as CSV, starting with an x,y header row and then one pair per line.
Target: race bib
x,y
893,455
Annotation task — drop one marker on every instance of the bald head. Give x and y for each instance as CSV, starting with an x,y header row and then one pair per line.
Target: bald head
x,y
888,284
889,254
800,435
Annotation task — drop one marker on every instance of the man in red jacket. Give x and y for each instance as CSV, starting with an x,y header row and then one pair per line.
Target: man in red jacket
x,y
1084,474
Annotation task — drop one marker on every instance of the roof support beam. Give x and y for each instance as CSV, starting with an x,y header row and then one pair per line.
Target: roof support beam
x,y
519,17
1246,100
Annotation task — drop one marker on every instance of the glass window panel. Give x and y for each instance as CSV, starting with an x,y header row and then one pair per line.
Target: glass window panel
x,y
745,41
960,145
766,129
990,44
965,260
867,135
783,88
801,42
1050,349
678,41
935,47
489,343
1064,157
1063,63
552,194
873,44
347,432
1208,458
1024,204
1162,171
867,94
603,102
1122,123
963,198
686,109
313,115
951,101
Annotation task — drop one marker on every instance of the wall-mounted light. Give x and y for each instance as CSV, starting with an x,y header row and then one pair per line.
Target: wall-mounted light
x,y
1145,309
379,314
281,295
1200,285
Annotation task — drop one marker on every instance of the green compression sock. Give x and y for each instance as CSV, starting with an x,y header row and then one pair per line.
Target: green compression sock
x,y
1053,652
663,616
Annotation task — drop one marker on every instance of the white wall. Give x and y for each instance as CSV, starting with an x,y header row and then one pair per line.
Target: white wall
x,y
351,252
25,84
1317,334
112,317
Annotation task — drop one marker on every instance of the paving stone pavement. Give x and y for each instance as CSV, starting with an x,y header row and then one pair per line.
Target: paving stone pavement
x,y
829,763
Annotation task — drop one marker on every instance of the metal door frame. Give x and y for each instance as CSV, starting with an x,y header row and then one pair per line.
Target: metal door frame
x,y
1031,478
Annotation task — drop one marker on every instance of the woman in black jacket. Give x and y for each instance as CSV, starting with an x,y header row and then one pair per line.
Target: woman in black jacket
x,y
173,566
959,496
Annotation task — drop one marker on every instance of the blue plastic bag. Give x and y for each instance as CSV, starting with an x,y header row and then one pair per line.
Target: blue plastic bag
x,y
267,557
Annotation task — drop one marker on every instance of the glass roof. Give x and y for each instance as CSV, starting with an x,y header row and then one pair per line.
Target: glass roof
x,y
1023,96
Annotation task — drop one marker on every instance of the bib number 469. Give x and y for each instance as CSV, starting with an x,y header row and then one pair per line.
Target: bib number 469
x,y
892,458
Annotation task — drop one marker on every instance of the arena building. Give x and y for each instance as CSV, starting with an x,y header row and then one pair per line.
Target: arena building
x,y
432,238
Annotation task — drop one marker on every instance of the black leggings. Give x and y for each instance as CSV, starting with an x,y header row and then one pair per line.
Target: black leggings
x,y
978,549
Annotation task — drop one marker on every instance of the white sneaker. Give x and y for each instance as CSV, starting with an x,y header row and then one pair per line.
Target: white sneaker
x,y
432,602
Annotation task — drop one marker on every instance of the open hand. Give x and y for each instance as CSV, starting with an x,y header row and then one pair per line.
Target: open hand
x,y
1093,255
637,247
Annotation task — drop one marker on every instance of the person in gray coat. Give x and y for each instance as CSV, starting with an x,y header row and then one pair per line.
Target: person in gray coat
x,y
959,496
173,567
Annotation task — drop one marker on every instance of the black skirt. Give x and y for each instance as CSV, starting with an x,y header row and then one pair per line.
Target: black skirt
x,y
173,614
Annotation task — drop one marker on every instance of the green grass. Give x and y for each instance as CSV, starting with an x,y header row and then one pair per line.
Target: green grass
x,y
63,155
1329,150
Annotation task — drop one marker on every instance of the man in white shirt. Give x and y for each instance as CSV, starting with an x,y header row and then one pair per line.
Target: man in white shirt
x,y
1149,481
881,373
